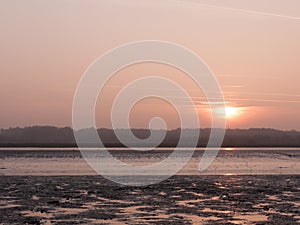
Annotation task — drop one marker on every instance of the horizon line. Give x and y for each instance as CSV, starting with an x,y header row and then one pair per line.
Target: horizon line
x,y
136,128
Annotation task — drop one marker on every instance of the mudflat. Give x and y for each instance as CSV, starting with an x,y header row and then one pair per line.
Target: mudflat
x,y
234,199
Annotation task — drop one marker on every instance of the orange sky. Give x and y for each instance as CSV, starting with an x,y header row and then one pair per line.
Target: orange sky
x,y
252,47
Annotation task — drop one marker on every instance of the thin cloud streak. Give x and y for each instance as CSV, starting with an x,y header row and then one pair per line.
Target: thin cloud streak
x,y
263,93
224,92
228,96
245,10
262,100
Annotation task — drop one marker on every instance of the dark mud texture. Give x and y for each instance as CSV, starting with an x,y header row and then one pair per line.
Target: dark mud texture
x,y
178,200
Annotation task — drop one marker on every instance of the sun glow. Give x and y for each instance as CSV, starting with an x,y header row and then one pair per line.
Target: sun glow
x,y
231,112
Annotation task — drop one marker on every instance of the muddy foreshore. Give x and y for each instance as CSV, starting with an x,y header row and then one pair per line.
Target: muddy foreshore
x,y
179,200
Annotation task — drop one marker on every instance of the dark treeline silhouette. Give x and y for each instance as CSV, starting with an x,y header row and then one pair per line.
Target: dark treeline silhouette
x,y
49,136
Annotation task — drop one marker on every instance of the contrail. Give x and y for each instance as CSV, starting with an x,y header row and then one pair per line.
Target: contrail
x,y
245,10
261,93
263,100
225,93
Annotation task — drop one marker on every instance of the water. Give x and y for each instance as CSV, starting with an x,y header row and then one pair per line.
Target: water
x,y
69,161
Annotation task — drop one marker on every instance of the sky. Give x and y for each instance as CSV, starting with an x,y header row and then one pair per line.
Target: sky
x,y
252,47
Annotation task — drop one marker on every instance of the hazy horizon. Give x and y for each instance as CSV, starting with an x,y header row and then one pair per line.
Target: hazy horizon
x,y
145,128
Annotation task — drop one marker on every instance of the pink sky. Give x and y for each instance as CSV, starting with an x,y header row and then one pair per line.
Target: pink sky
x,y
252,47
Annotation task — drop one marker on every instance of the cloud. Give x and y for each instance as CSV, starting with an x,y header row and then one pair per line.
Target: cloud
x,y
244,10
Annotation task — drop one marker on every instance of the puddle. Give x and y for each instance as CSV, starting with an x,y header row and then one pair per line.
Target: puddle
x,y
52,213
199,220
215,211
8,204
273,197
34,197
107,201
214,198
196,194
162,193
37,214
297,204
132,210
252,217
288,194
69,211
111,222
189,203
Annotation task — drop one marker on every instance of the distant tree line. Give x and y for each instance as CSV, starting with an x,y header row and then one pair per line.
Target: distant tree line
x,y
49,136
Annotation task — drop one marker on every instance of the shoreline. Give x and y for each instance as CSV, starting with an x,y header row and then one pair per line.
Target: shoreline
x,y
61,163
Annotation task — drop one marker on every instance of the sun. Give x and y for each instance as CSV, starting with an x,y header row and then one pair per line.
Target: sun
x,y
231,112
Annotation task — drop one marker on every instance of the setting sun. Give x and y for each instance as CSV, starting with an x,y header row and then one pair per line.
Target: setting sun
x,y
231,112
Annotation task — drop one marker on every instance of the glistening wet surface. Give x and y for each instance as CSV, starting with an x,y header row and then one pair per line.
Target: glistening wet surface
x,y
259,199
64,162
